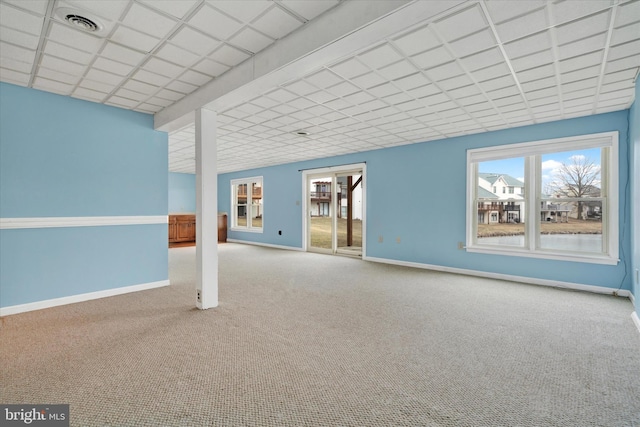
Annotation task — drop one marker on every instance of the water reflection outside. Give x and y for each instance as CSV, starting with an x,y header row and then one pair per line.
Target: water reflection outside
x,y
566,242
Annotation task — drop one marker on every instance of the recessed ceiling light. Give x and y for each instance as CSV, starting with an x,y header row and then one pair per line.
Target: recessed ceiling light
x,y
80,20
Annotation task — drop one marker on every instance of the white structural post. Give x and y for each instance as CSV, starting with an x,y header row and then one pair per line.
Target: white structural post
x,y
206,210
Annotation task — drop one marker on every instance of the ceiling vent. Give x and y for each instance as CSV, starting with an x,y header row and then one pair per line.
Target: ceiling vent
x,y
81,20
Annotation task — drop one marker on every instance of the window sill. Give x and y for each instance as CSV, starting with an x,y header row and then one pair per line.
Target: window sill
x,y
557,256
246,230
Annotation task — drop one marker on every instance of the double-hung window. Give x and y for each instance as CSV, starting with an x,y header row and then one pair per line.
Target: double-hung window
x,y
564,203
247,202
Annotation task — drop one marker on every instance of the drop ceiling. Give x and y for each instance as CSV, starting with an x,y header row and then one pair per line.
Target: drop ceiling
x,y
418,71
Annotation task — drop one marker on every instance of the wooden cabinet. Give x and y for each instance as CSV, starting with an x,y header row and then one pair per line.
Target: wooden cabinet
x,y
182,228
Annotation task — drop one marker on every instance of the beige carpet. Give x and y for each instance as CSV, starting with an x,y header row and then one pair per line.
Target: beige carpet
x,y
313,340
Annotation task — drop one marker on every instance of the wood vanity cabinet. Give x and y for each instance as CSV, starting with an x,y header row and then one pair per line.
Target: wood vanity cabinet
x,y
182,228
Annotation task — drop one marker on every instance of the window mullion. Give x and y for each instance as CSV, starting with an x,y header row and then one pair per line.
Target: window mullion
x,y
532,186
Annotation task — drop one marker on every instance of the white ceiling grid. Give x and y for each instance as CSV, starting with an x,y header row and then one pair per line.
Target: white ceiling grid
x,y
482,66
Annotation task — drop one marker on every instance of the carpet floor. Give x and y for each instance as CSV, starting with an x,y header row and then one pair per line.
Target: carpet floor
x,y
303,339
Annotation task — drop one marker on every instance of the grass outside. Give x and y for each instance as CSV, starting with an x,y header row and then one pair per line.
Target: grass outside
x,y
574,226
321,232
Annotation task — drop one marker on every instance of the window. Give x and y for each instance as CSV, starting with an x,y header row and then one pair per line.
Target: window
x,y
566,207
247,203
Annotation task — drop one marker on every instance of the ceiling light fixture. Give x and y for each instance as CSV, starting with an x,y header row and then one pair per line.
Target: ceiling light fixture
x,y
80,20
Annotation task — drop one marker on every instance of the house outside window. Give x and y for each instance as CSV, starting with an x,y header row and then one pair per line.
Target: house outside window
x,y
247,202
562,201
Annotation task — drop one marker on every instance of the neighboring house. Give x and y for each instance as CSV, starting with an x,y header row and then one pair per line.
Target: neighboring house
x,y
498,199
583,209
321,199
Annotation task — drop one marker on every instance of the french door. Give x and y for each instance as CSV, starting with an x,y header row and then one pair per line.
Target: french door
x,y
334,213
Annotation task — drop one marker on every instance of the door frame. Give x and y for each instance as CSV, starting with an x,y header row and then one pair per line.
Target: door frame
x,y
332,171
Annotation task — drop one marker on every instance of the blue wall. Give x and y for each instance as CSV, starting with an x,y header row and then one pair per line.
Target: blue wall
x,y
395,208
634,124
182,193
63,157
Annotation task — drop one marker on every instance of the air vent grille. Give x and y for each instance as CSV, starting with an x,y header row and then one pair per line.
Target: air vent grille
x,y
82,22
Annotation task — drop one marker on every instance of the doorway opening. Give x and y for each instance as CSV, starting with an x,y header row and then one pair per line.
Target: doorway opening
x,y
334,210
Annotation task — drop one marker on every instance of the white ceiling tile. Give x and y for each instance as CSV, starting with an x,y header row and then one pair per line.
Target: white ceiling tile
x,y
368,80
112,66
502,10
583,28
301,87
97,86
358,98
625,34
309,9
129,94
121,102
551,99
455,82
380,56
624,50
533,60
528,45
195,78
498,83
508,100
321,96
281,95
536,73
417,41
627,13
182,87
19,38
147,21
134,39
385,89
483,59
194,41
426,90
162,67
250,40
350,68
122,54
580,74
245,11
583,46
213,22
492,71
432,58
211,68
62,65
141,87
276,23
397,70
58,76
37,6
523,25
541,93
580,62
177,8
442,72
12,76
323,79
343,89
160,102
504,92
539,84
169,94
397,98
228,55
176,55
611,87
473,100
149,77
52,86
473,43
11,64
618,94
412,81
625,75
20,20
462,23
568,10
103,76
68,36
464,91
88,94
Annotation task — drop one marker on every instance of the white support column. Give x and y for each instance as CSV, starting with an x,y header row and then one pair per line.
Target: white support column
x,y
206,210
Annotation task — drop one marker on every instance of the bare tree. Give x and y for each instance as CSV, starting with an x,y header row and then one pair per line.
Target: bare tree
x,y
578,179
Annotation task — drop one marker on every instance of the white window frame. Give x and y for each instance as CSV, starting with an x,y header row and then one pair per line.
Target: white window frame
x,y
234,204
532,152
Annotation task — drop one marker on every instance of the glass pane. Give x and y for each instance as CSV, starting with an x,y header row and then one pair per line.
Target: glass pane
x,y
570,221
256,205
349,232
500,206
241,218
320,212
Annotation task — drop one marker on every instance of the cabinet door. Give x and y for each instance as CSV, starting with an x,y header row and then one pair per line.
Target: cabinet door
x,y
184,231
173,231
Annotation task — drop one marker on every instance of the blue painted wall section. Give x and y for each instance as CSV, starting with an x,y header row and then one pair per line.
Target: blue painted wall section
x,y
634,160
182,192
417,192
63,157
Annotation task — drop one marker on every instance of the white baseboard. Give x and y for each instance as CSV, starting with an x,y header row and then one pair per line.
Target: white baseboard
x,y
83,221
632,298
636,320
39,305
268,245
509,277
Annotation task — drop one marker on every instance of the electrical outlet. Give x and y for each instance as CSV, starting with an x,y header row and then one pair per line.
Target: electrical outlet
x,y
199,296
460,245
380,239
